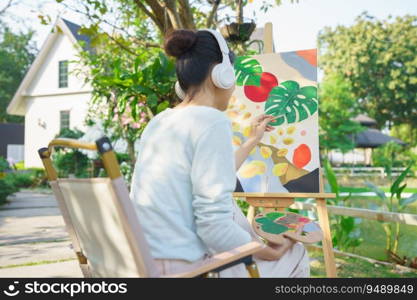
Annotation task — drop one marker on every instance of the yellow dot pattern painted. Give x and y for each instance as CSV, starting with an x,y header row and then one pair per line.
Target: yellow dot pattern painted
x,y
280,169
255,167
266,152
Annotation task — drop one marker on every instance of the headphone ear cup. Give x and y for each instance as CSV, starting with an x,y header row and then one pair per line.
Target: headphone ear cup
x,y
215,74
223,76
178,90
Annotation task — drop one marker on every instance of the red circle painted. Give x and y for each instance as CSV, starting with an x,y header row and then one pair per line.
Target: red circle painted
x,y
301,156
261,93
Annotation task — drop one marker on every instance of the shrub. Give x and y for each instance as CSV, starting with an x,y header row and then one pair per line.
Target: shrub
x,y
21,179
4,165
71,162
13,181
391,155
40,178
6,189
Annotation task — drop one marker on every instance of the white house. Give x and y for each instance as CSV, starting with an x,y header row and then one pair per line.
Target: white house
x,y
51,96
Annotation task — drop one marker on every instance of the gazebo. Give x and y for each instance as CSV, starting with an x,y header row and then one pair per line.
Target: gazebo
x,y
365,141
371,137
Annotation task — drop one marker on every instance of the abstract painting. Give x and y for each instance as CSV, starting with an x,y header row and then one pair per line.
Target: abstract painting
x,y
283,85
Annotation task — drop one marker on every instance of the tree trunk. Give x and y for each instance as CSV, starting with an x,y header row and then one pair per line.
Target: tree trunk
x,y
167,15
239,12
171,8
212,16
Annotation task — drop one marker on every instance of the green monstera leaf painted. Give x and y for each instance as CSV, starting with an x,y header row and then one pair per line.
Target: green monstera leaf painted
x,y
248,71
288,102
269,226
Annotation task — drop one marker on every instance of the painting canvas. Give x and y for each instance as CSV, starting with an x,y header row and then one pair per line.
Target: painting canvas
x,y
283,85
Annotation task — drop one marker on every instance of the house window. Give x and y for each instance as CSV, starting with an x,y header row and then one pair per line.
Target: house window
x,y
64,119
63,74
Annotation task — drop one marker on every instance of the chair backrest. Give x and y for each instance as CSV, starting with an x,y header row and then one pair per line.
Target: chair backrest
x,y
100,218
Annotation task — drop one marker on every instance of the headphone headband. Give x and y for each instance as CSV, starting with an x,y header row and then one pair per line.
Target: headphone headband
x,y
220,40
222,74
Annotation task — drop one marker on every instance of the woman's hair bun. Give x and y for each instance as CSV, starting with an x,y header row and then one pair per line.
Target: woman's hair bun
x,y
178,42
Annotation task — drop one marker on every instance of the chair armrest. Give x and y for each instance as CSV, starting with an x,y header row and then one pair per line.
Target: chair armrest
x,y
221,259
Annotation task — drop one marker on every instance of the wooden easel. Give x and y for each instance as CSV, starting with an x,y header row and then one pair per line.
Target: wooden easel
x,y
281,201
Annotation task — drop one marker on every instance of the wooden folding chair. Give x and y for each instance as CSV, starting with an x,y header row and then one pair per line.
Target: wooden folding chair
x,y
103,226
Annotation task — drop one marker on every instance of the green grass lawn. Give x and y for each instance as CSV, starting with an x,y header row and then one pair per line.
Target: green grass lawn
x,y
372,232
374,240
355,267
367,201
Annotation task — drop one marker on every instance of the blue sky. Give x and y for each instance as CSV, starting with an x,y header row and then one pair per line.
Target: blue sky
x,y
295,25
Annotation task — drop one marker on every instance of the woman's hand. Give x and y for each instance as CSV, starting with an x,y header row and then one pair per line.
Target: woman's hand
x,y
287,243
274,251
258,127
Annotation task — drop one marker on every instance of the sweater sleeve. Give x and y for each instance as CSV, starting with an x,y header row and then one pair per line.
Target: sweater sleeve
x,y
213,178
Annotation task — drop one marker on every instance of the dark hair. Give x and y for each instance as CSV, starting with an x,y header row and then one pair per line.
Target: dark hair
x,y
196,53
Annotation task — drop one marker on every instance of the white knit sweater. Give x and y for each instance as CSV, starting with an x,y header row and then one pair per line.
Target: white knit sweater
x,y
183,182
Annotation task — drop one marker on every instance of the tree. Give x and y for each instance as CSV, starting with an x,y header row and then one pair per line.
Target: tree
x,y
127,90
378,59
145,22
17,52
337,107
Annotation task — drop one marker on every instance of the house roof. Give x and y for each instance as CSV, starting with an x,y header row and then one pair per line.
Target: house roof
x,y
71,30
372,138
364,120
75,29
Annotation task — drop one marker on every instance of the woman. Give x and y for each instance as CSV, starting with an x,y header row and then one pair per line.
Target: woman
x,y
186,171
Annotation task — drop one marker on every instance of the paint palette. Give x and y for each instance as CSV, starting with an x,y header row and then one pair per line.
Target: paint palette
x,y
274,226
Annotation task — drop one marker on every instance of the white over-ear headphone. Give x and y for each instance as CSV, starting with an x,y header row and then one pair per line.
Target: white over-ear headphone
x,y
223,74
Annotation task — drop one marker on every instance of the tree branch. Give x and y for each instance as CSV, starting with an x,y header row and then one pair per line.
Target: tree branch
x,y
239,12
186,14
159,12
3,10
127,49
212,14
153,17
171,7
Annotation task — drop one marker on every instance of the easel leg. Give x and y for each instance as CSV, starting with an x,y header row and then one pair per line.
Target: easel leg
x,y
251,214
327,239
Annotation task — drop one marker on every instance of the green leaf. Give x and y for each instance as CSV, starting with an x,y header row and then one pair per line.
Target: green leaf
x,y
347,223
140,89
400,190
290,103
134,108
163,60
248,71
399,180
331,178
152,100
162,106
380,193
407,201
